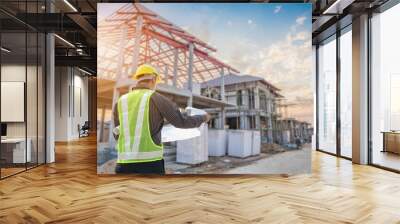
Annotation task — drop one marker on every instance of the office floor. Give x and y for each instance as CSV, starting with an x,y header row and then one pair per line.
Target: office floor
x,y
8,171
70,191
387,159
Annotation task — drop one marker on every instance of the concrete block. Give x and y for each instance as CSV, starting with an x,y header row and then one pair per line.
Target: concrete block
x,y
256,143
217,142
286,137
239,143
194,150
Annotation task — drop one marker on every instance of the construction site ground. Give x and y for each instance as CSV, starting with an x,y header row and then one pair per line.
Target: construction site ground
x,y
272,160
279,160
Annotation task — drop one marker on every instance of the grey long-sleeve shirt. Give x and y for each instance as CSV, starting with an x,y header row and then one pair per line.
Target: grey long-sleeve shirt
x,y
162,108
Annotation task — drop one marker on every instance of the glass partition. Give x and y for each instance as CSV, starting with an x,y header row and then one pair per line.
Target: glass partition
x,y
327,95
385,89
13,88
22,77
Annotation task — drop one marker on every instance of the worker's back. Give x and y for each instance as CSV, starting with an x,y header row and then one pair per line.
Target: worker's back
x,y
140,116
135,143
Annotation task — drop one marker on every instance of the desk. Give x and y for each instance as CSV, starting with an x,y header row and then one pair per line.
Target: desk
x,y
17,150
391,142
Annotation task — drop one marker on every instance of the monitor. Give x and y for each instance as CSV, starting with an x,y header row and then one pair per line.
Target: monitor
x,y
3,129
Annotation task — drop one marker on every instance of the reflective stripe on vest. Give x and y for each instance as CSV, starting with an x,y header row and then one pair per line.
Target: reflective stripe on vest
x,y
137,146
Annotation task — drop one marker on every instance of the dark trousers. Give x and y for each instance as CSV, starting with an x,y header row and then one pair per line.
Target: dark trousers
x,y
154,167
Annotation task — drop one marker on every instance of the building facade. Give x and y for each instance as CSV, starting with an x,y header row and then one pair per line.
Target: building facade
x,y
255,100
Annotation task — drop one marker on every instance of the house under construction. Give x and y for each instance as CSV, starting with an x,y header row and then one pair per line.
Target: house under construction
x,y
255,100
134,35
191,76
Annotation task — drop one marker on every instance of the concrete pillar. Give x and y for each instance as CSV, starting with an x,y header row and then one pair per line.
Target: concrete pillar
x,y
50,92
360,90
190,74
175,79
136,48
243,122
269,120
166,74
256,92
258,122
50,96
121,57
120,76
222,84
222,98
100,133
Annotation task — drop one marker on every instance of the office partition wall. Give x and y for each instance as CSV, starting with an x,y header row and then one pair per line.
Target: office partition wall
x,y
22,88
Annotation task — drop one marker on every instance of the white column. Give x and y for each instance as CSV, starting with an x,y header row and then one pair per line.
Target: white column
x,y
50,94
166,74
175,79
124,32
119,77
222,84
190,74
243,122
256,98
222,120
136,47
360,90
258,121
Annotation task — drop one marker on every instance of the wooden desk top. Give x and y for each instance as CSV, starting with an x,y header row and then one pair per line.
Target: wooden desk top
x,y
13,140
391,132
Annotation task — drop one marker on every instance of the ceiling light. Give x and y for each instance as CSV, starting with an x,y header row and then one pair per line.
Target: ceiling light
x,y
70,5
338,6
5,50
84,71
64,40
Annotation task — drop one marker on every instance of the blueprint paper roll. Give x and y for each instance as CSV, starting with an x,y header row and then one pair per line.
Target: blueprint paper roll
x,y
169,133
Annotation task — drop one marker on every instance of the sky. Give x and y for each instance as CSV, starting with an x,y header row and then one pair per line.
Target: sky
x,y
270,40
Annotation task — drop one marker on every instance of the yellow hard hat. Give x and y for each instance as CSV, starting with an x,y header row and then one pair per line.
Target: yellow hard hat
x,y
145,70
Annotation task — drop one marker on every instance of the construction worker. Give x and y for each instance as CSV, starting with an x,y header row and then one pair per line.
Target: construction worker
x,y
140,116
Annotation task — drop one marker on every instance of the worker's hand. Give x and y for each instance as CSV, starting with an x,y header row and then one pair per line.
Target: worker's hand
x,y
208,117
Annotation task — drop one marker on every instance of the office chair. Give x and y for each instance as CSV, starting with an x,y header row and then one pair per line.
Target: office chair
x,y
84,130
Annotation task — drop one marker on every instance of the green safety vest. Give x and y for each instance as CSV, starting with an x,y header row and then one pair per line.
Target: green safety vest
x,y
135,143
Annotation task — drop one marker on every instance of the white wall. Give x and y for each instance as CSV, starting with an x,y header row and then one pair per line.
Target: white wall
x,y
33,126
12,73
71,94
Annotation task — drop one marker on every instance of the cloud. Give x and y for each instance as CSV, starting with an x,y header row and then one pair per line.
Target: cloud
x,y
286,64
300,20
249,21
201,30
277,9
